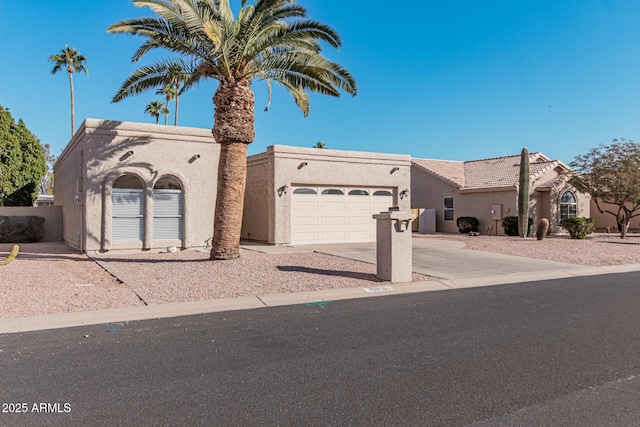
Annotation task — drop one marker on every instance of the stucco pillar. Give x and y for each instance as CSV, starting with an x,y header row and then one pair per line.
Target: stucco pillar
x,y
393,246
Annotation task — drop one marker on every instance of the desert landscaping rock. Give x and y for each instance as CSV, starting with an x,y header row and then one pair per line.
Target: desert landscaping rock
x,y
596,250
49,278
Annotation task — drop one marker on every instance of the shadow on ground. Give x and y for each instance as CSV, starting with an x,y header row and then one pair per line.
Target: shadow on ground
x,y
350,274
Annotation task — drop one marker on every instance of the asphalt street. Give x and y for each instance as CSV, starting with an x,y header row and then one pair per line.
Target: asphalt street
x,y
558,352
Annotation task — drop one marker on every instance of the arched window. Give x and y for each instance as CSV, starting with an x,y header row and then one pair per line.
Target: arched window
x,y
127,209
304,191
382,193
333,191
358,193
168,209
568,205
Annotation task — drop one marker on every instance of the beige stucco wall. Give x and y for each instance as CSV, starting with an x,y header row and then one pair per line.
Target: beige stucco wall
x,y
255,220
428,192
101,151
480,204
604,220
290,166
52,219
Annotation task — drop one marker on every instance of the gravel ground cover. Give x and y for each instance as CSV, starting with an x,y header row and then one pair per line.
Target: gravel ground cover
x,y
49,278
596,250
189,276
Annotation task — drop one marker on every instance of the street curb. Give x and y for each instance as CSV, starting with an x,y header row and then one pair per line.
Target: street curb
x,y
159,311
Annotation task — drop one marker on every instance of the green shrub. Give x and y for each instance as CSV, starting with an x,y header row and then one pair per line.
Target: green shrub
x,y
578,227
467,223
510,226
21,229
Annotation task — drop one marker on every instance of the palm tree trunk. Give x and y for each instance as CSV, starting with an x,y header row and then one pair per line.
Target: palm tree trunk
x,y
233,129
73,115
232,175
175,121
166,116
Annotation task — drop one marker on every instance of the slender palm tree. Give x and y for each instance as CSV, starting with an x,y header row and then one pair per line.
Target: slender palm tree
x,y
169,93
178,73
74,62
270,40
155,108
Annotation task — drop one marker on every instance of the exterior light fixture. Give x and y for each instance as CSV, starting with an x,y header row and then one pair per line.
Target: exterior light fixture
x,y
404,193
283,190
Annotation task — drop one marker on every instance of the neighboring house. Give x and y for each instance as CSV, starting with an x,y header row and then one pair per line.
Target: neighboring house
x,y
488,190
127,185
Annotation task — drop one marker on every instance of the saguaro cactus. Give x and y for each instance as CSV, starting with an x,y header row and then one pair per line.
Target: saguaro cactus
x,y
523,193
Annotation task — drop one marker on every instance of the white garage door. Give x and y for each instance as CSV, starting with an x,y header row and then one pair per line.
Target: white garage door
x,y
336,214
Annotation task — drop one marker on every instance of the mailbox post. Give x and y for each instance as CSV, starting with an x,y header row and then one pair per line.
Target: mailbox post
x,y
393,246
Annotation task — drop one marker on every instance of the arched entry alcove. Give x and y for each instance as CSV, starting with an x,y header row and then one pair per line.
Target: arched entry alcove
x,y
168,209
127,209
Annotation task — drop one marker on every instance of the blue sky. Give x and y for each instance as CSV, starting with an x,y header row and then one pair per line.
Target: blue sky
x,y
439,79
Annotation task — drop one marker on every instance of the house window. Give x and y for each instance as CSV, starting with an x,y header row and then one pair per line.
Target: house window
x,y
382,193
447,207
333,191
127,214
304,191
168,209
358,193
568,205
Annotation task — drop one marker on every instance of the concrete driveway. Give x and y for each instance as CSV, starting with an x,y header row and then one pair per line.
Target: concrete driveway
x,y
448,260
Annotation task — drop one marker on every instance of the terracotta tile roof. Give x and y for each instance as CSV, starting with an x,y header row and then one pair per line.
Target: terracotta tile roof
x,y
449,171
487,173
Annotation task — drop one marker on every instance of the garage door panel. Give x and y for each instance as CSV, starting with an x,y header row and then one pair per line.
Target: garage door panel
x,y
310,220
359,220
305,237
332,206
305,205
361,206
331,218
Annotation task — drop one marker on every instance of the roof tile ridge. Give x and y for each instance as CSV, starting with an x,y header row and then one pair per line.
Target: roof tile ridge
x,y
492,158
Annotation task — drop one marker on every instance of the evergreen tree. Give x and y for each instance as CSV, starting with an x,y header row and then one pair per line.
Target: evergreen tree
x,y
22,162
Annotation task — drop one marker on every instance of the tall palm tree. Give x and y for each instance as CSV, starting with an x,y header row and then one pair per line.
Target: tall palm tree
x,y
74,62
178,73
155,108
270,40
169,93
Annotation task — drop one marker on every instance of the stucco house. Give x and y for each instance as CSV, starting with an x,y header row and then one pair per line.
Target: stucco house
x,y
488,190
126,185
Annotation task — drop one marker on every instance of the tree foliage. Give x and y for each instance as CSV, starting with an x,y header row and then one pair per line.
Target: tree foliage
x,y
611,175
46,184
72,61
22,162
